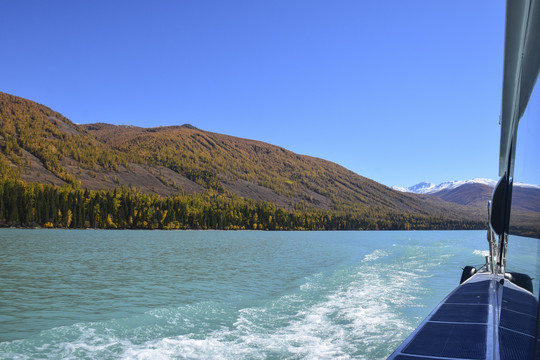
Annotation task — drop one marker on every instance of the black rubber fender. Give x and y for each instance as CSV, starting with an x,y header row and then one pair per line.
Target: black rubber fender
x,y
521,280
468,271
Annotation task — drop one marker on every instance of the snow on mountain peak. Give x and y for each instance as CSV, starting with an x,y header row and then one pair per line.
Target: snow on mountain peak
x,y
430,188
420,188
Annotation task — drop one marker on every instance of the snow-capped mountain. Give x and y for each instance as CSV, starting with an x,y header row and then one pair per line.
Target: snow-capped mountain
x,y
430,188
477,192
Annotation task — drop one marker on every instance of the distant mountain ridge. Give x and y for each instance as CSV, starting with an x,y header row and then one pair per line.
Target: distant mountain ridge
x,y
430,188
476,192
425,187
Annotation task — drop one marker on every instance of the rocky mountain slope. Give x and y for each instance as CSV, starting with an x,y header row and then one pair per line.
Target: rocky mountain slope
x,y
38,144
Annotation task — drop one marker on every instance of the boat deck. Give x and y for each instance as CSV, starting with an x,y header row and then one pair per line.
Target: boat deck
x,y
465,326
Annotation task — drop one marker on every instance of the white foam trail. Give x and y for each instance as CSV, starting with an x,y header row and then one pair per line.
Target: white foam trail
x,y
354,312
377,254
481,252
350,321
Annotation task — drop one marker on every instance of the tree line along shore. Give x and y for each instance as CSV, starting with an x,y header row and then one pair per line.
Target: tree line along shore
x,y
24,204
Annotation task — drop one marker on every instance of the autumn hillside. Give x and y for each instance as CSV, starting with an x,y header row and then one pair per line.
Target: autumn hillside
x,y
40,145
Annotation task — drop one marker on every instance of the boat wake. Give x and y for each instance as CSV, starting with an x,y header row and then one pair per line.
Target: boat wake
x,y
356,311
481,252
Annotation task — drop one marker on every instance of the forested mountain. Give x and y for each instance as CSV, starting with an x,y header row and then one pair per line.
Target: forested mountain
x,y
39,145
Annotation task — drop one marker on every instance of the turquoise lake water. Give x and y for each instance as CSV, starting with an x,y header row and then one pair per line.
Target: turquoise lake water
x,y
98,294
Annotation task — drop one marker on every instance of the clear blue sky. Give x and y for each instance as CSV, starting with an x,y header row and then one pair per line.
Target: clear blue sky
x,y
397,91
